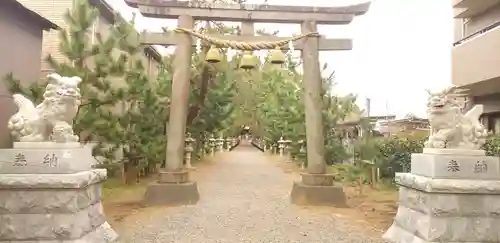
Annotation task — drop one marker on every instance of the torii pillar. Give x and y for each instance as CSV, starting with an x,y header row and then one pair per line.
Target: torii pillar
x,y
174,186
316,187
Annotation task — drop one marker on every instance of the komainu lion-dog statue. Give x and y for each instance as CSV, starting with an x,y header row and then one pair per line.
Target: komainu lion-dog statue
x,y
52,119
450,127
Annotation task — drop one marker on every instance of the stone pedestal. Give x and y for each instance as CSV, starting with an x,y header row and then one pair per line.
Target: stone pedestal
x,y
46,158
318,190
55,198
172,188
448,198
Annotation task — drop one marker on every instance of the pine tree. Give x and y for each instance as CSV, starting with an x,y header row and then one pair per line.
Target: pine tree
x,y
135,124
281,111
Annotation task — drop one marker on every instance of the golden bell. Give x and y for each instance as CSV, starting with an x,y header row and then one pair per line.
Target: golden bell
x,y
248,61
277,56
213,55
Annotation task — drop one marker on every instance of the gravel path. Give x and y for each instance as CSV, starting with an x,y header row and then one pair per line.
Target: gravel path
x,y
246,199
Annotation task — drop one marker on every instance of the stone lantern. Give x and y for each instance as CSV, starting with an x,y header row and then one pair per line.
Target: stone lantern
x,y
203,147
188,148
302,151
220,144
287,149
228,143
302,146
281,146
211,144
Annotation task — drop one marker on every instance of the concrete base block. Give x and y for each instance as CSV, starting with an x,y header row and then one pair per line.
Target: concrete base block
x,y
48,208
303,194
317,179
173,176
399,235
411,226
102,234
445,210
172,193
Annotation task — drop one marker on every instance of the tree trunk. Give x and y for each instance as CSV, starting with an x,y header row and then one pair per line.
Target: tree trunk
x,y
205,78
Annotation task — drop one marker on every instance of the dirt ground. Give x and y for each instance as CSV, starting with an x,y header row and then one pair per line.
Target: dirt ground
x,y
370,207
121,201
375,206
124,202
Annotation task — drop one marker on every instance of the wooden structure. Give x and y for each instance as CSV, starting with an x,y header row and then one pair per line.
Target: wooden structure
x,y
309,17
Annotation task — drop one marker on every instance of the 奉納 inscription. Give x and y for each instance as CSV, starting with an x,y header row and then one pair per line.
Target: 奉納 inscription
x,y
20,160
51,160
453,166
480,167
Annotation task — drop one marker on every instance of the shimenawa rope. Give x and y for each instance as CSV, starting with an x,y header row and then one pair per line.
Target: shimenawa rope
x,y
246,46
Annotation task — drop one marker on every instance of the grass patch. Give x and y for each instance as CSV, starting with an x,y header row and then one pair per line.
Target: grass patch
x,y
115,190
349,175
120,200
376,205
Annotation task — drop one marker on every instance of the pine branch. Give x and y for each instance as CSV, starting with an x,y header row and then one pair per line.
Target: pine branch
x,y
204,83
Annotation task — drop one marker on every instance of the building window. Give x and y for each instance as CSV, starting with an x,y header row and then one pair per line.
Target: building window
x,y
496,126
492,122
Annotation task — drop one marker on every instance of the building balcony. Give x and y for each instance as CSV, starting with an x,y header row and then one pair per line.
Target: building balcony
x,y
470,8
476,61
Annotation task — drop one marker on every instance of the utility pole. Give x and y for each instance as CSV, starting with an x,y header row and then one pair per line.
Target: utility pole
x,y
387,108
368,106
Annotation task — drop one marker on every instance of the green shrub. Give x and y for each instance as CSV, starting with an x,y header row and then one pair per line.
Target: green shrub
x,y
394,153
492,146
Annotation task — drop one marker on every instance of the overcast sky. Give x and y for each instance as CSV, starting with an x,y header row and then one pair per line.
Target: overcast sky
x,y
401,48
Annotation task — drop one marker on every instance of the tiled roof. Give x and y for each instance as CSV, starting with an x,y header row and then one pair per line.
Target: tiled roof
x,y
17,6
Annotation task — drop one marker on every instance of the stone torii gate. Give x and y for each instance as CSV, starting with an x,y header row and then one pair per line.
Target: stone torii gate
x,y
316,187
